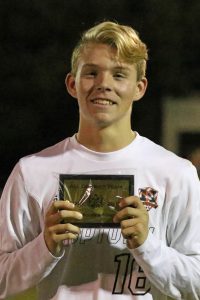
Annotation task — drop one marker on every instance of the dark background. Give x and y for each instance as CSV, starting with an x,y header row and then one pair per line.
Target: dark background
x,y
36,40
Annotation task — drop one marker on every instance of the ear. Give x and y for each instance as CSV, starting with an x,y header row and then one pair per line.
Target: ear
x,y
141,88
71,85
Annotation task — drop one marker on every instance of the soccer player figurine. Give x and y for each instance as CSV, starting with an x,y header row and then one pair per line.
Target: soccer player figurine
x,y
87,193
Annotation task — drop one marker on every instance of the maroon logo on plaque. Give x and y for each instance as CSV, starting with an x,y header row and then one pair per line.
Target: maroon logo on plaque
x,y
148,196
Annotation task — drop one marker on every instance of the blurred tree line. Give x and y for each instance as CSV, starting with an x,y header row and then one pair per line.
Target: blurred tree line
x,y
36,40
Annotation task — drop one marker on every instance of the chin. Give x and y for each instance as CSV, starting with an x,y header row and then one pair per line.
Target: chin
x,y
102,120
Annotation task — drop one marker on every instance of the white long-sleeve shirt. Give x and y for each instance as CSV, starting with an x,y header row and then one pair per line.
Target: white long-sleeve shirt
x,y
98,265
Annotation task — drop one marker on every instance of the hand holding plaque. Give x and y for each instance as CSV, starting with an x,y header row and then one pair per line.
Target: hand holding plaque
x,y
55,231
133,218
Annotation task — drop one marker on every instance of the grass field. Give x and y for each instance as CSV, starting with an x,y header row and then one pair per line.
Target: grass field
x,y
27,295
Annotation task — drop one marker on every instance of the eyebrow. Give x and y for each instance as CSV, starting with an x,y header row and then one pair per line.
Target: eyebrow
x,y
121,68
117,67
90,65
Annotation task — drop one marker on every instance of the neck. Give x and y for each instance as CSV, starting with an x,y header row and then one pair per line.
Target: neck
x,y
105,140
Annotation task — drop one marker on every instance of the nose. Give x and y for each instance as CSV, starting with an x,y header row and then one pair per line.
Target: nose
x,y
103,82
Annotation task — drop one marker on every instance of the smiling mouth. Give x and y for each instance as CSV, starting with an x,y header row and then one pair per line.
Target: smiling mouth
x,y
103,101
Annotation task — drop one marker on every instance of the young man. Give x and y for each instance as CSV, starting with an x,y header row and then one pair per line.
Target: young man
x,y
156,251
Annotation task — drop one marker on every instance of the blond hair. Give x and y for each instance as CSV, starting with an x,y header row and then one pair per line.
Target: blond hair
x,y
124,39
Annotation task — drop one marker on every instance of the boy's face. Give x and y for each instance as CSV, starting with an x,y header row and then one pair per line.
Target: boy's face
x,y
105,87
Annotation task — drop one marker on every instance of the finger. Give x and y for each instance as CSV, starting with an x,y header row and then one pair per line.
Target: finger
x,y
63,228
51,209
63,204
130,232
59,216
56,205
63,232
133,201
127,212
64,214
137,229
54,218
135,235
65,236
129,223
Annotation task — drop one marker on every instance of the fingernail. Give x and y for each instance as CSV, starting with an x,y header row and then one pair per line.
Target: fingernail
x,y
70,203
80,216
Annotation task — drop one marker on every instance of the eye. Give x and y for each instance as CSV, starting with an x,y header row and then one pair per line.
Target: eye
x,y
90,73
119,75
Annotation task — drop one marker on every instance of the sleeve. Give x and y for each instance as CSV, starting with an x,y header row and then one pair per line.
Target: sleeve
x,y
173,268
24,257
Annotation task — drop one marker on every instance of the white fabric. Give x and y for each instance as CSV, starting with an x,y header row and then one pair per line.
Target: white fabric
x,y
169,259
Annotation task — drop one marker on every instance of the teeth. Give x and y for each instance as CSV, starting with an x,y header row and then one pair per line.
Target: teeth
x,y
103,102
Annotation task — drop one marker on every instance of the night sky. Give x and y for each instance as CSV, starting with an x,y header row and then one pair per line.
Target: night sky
x,y
37,38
